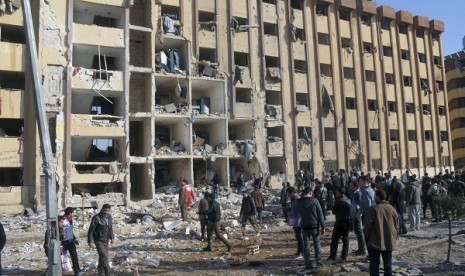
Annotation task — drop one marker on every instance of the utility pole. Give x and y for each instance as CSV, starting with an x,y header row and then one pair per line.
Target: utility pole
x,y
54,258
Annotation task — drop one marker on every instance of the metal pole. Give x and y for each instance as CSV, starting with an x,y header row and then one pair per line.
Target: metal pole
x,y
54,260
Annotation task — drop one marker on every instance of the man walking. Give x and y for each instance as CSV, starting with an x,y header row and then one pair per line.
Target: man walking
x,y
259,201
186,195
381,227
248,213
284,199
2,245
203,208
312,223
342,226
413,199
356,216
100,234
214,221
294,220
69,241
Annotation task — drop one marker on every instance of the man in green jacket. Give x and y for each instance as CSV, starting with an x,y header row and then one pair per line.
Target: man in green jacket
x,y
381,228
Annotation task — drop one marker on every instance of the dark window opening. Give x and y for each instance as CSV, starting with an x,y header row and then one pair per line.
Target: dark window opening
x,y
435,36
427,109
420,32
106,62
365,19
349,73
413,162
271,62
392,106
372,105
241,59
330,134
102,106
104,21
421,57
444,136
385,24
374,134
300,66
304,133
424,84
344,14
347,43
243,95
207,54
322,9
325,70
270,29
370,76
442,110
296,4
367,47
389,78
409,108
12,34
272,97
300,34
205,17
407,81
403,28
11,127
405,55
394,135
412,135
437,60
351,103
12,80
302,99
270,1
323,38
429,135
387,51
439,86
353,134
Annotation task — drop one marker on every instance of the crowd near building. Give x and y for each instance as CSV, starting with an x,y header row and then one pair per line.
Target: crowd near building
x,y
143,94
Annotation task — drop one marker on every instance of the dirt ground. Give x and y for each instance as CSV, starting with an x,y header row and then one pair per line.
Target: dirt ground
x,y
154,252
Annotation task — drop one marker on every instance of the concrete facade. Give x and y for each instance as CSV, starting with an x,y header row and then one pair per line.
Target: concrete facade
x,y
264,87
455,65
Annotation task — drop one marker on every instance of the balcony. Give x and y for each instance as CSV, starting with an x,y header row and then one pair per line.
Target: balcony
x,y
11,104
87,79
97,35
207,39
271,45
241,42
300,81
275,148
97,126
304,150
15,53
243,110
96,172
10,156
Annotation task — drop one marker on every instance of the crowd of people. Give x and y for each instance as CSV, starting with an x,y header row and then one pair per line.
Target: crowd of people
x,y
373,208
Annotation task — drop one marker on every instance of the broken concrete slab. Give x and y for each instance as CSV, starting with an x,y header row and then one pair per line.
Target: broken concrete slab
x,y
229,223
170,225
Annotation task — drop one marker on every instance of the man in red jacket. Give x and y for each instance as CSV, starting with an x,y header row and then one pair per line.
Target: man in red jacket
x,y
186,195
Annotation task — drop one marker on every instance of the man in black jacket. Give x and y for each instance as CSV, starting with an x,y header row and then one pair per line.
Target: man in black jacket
x,y
214,218
312,224
100,234
2,244
248,213
342,226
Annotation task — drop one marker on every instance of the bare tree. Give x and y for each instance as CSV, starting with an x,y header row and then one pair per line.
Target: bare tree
x,y
453,208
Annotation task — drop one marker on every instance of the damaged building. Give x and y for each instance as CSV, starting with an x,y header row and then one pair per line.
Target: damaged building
x,y
141,94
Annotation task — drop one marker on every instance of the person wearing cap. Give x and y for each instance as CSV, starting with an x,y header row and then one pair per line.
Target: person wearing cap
x,y
248,213
203,208
69,241
214,222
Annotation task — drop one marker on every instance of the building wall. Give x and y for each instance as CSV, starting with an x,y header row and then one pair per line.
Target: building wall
x,y
315,85
455,64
